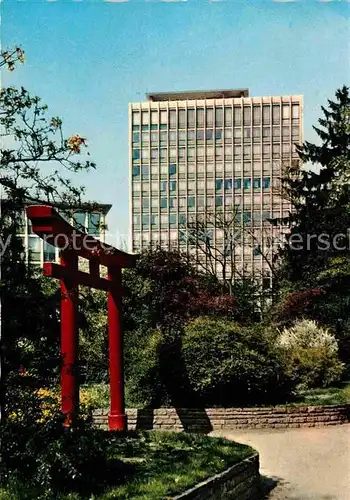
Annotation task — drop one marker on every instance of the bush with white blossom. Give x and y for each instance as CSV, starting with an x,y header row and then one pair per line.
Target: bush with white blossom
x,y
312,354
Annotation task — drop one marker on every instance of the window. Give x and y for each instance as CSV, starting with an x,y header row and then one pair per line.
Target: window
x,y
34,244
237,150
182,219
172,169
163,153
266,149
246,183
295,111
266,114
94,224
163,203
49,252
237,133
172,137
154,119
145,154
228,116
285,133
256,115
209,134
218,134
163,186
218,201
228,183
163,117
136,118
172,202
145,203
200,135
191,202
191,135
210,117
256,132
228,134
247,115
135,170
191,123
136,154
154,220
200,117
219,117
257,183
191,153
218,184
182,118
256,150
145,221
136,137
154,154
276,114
238,116
228,151
79,219
172,118
286,112
266,182
247,218
237,183
172,185
163,136
145,119
246,133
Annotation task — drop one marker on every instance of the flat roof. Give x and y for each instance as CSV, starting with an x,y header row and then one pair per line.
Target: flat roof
x,y
197,95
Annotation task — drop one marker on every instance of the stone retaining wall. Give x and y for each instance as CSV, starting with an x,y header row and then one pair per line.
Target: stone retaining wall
x,y
241,481
206,420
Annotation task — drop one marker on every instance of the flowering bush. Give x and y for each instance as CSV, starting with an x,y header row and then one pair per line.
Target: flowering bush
x,y
312,354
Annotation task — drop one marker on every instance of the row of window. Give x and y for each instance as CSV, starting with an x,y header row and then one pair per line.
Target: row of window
x,y
201,152
145,221
227,183
207,117
210,134
84,221
248,183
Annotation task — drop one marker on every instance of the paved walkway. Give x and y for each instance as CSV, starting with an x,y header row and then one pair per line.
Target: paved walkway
x,y
302,464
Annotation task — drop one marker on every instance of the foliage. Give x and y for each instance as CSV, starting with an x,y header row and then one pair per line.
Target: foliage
x,y
165,289
312,354
93,336
229,365
150,465
320,199
53,460
296,305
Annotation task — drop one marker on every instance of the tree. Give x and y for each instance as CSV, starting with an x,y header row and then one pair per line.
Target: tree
x,y
320,199
36,164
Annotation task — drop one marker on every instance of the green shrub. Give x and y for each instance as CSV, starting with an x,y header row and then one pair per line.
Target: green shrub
x,y
229,365
311,352
52,460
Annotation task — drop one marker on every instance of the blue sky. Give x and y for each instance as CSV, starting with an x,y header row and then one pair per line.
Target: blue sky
x,y
88,60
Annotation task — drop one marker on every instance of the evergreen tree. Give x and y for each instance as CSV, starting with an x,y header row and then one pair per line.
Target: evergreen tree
x,y
320,199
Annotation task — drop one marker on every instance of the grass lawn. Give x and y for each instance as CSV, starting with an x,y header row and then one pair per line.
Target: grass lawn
x,y
98,396
157,465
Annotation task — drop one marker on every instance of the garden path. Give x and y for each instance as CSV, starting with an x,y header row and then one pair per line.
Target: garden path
x,y
306,463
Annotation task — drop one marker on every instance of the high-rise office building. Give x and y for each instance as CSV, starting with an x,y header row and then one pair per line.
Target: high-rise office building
x,y
210,155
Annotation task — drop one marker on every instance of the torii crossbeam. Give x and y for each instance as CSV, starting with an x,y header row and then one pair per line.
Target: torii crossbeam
x,y
50,226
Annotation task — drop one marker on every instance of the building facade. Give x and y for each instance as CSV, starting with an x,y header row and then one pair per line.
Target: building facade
x,y
205,156
38,251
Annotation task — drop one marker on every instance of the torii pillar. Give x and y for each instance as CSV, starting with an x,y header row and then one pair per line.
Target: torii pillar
x,y
50,226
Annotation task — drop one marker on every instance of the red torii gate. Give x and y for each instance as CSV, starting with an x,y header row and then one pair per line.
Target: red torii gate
x,y
50,226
